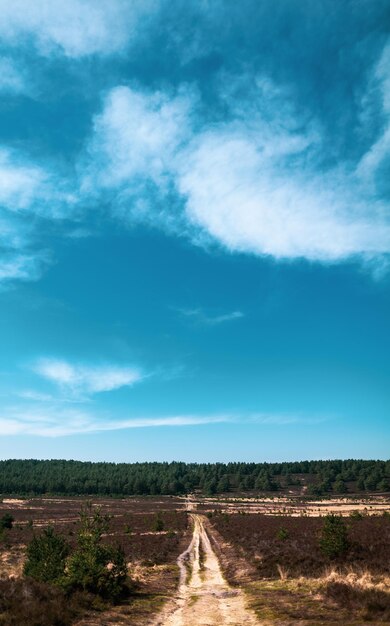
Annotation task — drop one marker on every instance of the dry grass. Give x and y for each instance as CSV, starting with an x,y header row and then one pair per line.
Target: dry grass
x,y
151,558
156,585
296,505
361,579
12,561
350,595
24,601
360,593
258,539
354,599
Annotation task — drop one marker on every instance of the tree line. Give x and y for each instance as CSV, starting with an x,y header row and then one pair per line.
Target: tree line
x,y
37,477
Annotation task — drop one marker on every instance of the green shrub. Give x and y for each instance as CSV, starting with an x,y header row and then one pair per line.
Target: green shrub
x,y
334,536
158,524
94,567
282,534
356,515
6,521
46,557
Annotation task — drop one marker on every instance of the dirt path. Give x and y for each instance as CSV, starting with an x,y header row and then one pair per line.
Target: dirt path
x,y
204,597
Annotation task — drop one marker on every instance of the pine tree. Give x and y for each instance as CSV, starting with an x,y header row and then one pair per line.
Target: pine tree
x,y
46,557
95,567
334,537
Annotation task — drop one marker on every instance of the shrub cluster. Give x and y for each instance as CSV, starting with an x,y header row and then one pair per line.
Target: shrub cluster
x,y
91,567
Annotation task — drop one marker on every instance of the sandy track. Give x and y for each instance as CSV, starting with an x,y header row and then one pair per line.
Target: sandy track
x,y
204,597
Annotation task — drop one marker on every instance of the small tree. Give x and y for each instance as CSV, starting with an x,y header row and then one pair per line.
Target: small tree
x,y
339,486
46,557
158,523
282,534
93,566
334,537
6,521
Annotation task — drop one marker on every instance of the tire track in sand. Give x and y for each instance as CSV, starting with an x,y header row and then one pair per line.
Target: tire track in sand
x,y
204,597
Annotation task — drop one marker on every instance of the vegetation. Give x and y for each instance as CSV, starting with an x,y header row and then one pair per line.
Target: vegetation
x,y
334,541
46,557
92,567
75,568
6,521
305,546
32,477
286,563
26,601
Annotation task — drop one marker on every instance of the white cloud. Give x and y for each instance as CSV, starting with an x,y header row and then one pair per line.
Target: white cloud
x,y
285,419
14,266
21,183
253,202
12,79
200,316
80,380
253,184
27,188
380,150
58,422
74,28
137,136
36,396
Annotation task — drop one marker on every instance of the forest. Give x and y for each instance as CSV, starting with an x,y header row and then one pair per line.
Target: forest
x,y
37,477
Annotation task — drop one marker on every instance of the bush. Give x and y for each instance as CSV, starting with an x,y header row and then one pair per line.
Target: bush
x,y
158,524
93,567
282,534
46,557
334,537
371,603
28,602
6,521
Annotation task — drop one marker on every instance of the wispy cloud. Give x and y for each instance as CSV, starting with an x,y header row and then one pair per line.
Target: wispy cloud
x,y
75,28
28,189
80,380
15,266
56,421
131,152
284,419
36,396
254,183
261,179
378,155
12,78
21,183
201,317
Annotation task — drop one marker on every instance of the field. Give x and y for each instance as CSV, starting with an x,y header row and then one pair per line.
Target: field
x,y
277,559
152,532
267,548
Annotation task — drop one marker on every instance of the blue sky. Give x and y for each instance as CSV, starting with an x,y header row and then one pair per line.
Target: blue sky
x,y
194,229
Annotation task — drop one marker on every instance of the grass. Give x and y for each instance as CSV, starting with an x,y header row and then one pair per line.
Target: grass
x,y
297,551
289,583
350,600
147,600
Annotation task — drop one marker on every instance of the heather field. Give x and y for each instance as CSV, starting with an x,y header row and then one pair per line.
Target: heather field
x,y
289,578
275,544
151,531
261,558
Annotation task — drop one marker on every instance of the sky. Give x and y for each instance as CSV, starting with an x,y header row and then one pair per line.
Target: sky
x,y
194,230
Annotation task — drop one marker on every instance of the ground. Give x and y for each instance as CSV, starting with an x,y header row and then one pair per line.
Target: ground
x,y
213,561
